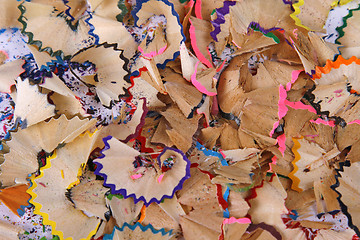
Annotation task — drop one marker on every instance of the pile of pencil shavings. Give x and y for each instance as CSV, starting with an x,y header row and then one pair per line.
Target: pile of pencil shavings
x,y
168,119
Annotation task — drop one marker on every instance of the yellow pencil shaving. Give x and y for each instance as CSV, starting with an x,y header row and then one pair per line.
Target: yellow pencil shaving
x,y
295,180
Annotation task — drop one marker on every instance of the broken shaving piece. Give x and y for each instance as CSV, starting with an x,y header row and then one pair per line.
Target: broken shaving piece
x,y
68,106
181,136
233,228
230,91
31,106
348,34
202,199
198,192
348,191
203,80
152,75
172,208
132,174
125,130
270,212
313,50
311,163
267,103
42,71
269,74
123,210
345,138
8,73
239,168
186,96
312,14
200,40
143,88
314,168
159,219
337,88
